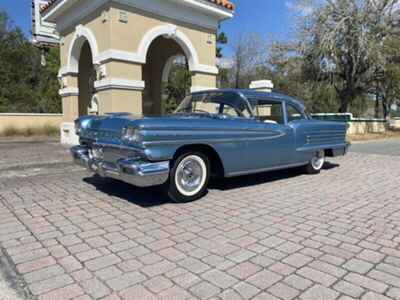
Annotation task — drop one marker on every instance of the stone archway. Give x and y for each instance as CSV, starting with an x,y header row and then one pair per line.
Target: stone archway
x,y
119,39
82,35
161,55
78,75
86,79
82,53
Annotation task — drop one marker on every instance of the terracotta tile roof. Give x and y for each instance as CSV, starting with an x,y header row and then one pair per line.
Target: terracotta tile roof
x,y
224,3
46,6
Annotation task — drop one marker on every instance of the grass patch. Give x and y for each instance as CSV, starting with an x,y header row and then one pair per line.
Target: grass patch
x,y
9,131
45,130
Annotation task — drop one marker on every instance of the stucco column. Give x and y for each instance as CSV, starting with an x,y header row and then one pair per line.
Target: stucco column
x,y
201,82
119,87
69,93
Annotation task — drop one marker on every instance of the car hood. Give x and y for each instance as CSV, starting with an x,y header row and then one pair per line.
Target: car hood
x,y
116,122
109,127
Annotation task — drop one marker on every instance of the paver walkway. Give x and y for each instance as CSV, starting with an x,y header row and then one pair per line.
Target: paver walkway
x,y
280,235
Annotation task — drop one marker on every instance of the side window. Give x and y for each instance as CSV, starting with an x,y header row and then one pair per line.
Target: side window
x,y
293,113
208,107
229,111
269,112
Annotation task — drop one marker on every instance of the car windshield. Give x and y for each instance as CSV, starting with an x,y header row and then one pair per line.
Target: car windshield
x,y
220,104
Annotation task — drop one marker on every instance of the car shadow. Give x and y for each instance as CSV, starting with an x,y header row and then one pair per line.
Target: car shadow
x,y
144,197
155,196
261,178
328,166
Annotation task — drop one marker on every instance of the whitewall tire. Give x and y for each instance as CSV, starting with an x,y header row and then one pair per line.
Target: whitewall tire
x,y
189,177
316,163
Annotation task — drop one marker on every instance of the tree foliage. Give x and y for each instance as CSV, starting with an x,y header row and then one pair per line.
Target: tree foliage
x,y
26,85
249,55
177,87
346,38
344,54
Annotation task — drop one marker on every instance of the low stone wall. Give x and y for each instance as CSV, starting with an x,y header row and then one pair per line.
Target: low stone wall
x,y
360,126
395,123
23,121
355,125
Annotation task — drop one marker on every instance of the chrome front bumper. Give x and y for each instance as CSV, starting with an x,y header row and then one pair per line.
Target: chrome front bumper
x,y
134,171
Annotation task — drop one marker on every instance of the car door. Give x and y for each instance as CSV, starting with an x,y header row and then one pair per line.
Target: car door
x,y
270,143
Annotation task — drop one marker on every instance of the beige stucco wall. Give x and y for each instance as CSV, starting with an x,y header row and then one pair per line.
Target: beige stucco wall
x,y
127,36
71,80
101,29
70,107
204,80
23,121
118,69
120,101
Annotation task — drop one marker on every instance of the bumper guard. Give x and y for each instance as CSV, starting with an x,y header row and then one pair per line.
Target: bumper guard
x,y
134,171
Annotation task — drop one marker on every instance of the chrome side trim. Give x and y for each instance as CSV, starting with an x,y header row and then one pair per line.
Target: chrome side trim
x,y
326,131
234,174
310,147
215,140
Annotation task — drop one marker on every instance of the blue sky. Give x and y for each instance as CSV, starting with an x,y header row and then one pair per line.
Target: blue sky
x,y
268,18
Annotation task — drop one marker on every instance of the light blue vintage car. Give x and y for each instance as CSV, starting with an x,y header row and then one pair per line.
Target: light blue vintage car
x,y
220,132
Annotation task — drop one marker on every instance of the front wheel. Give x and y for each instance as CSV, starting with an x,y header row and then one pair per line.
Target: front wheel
x,y
189,177
316,163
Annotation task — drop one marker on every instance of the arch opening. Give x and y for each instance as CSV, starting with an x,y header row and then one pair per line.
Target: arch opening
x,y
86,79
166,75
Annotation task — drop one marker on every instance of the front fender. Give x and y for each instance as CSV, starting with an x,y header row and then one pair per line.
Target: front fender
x,y
229,153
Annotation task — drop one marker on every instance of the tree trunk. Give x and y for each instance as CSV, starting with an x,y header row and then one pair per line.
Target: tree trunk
x,y
344,102
385,108
345,95
376,107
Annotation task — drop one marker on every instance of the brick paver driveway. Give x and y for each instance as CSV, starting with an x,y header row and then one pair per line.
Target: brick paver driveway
x,y
280,235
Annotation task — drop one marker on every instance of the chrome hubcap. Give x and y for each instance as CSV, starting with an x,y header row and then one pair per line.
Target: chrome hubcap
x,y
190,175
318,160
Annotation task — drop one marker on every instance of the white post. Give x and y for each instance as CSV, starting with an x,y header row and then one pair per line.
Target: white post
x,y
262,85
68,135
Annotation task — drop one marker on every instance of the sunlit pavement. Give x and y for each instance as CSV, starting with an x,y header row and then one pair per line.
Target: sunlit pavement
x,y
387,147
280,235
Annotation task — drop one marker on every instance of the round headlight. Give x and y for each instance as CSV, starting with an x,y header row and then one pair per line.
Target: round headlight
x,y
81,124
130,134
78,128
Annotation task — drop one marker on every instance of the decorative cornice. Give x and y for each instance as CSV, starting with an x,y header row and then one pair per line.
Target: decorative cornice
x,y
65,71
69,91
206,69
196,12
197,88
118,55
224,3
119,83
130,57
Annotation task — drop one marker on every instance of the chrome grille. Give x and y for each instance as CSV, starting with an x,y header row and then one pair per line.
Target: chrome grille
x,y
101,135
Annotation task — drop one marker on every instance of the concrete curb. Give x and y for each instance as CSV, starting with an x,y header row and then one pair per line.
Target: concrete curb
x,y
15,283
